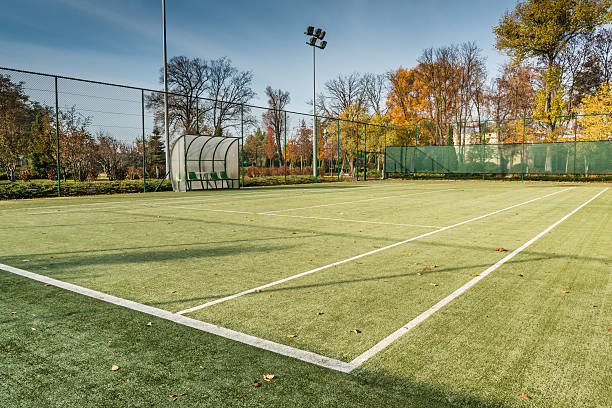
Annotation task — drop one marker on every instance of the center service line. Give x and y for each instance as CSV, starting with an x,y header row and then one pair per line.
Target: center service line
x,y
299,275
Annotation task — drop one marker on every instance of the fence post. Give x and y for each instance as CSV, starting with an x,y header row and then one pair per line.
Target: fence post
x,y
523,154
357,153
365,152
197,116
285,147
384,172
144,160
416,143
242,141
575,132
338,135
57,146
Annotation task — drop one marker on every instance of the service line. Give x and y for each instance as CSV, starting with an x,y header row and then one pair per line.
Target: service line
x,y
299,275
426,314
264,344
357,201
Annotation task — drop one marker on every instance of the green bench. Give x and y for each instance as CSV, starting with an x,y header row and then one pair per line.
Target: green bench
x,y
209,178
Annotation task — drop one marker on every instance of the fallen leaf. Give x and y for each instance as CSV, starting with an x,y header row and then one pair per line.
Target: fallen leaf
x,y
149,324
114,367
294,232
427,268
483,361
527,397
419,273
475,274
173,291
376,246
562,291
309,260
256,384
268,377
290,336
501,249
358,263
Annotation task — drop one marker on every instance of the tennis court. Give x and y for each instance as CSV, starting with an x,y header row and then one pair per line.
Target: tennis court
x,y
466,286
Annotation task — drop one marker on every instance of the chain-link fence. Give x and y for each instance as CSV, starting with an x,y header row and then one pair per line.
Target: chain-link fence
x,y
563,145
67,130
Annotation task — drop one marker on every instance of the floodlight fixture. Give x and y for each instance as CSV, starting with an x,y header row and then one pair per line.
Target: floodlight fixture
x,y
315,35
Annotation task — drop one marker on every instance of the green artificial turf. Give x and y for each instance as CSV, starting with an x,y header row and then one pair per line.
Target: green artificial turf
x,y
512,334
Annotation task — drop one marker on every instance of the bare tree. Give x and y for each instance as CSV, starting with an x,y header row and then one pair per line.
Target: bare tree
x,y
229,88
471,83
207,92
513,92
187,81
375,89
573,59
602,53
342,93
274,117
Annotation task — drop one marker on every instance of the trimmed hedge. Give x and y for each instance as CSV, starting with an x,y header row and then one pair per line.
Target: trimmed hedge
x,y
48,188
506,177
278,180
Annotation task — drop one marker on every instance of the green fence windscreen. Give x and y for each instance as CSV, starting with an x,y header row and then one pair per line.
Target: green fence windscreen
x,y
588,157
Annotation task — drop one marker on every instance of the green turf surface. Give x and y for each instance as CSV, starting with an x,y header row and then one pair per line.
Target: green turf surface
x,y
551,346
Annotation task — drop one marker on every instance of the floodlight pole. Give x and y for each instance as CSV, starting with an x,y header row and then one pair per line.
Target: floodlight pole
x,y
166,126
314,119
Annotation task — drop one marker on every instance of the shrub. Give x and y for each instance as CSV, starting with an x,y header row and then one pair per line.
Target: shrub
x,y
25,174
43,188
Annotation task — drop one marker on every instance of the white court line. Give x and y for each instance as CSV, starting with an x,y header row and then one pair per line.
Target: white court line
x,y
212,209
420,318
303,216
358,201
348,220
154,201
268,345
246,292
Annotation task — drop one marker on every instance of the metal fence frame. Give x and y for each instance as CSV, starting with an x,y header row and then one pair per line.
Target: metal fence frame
x,y
328,122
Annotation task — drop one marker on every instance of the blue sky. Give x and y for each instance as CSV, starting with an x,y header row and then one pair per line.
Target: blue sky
x,y
120,41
